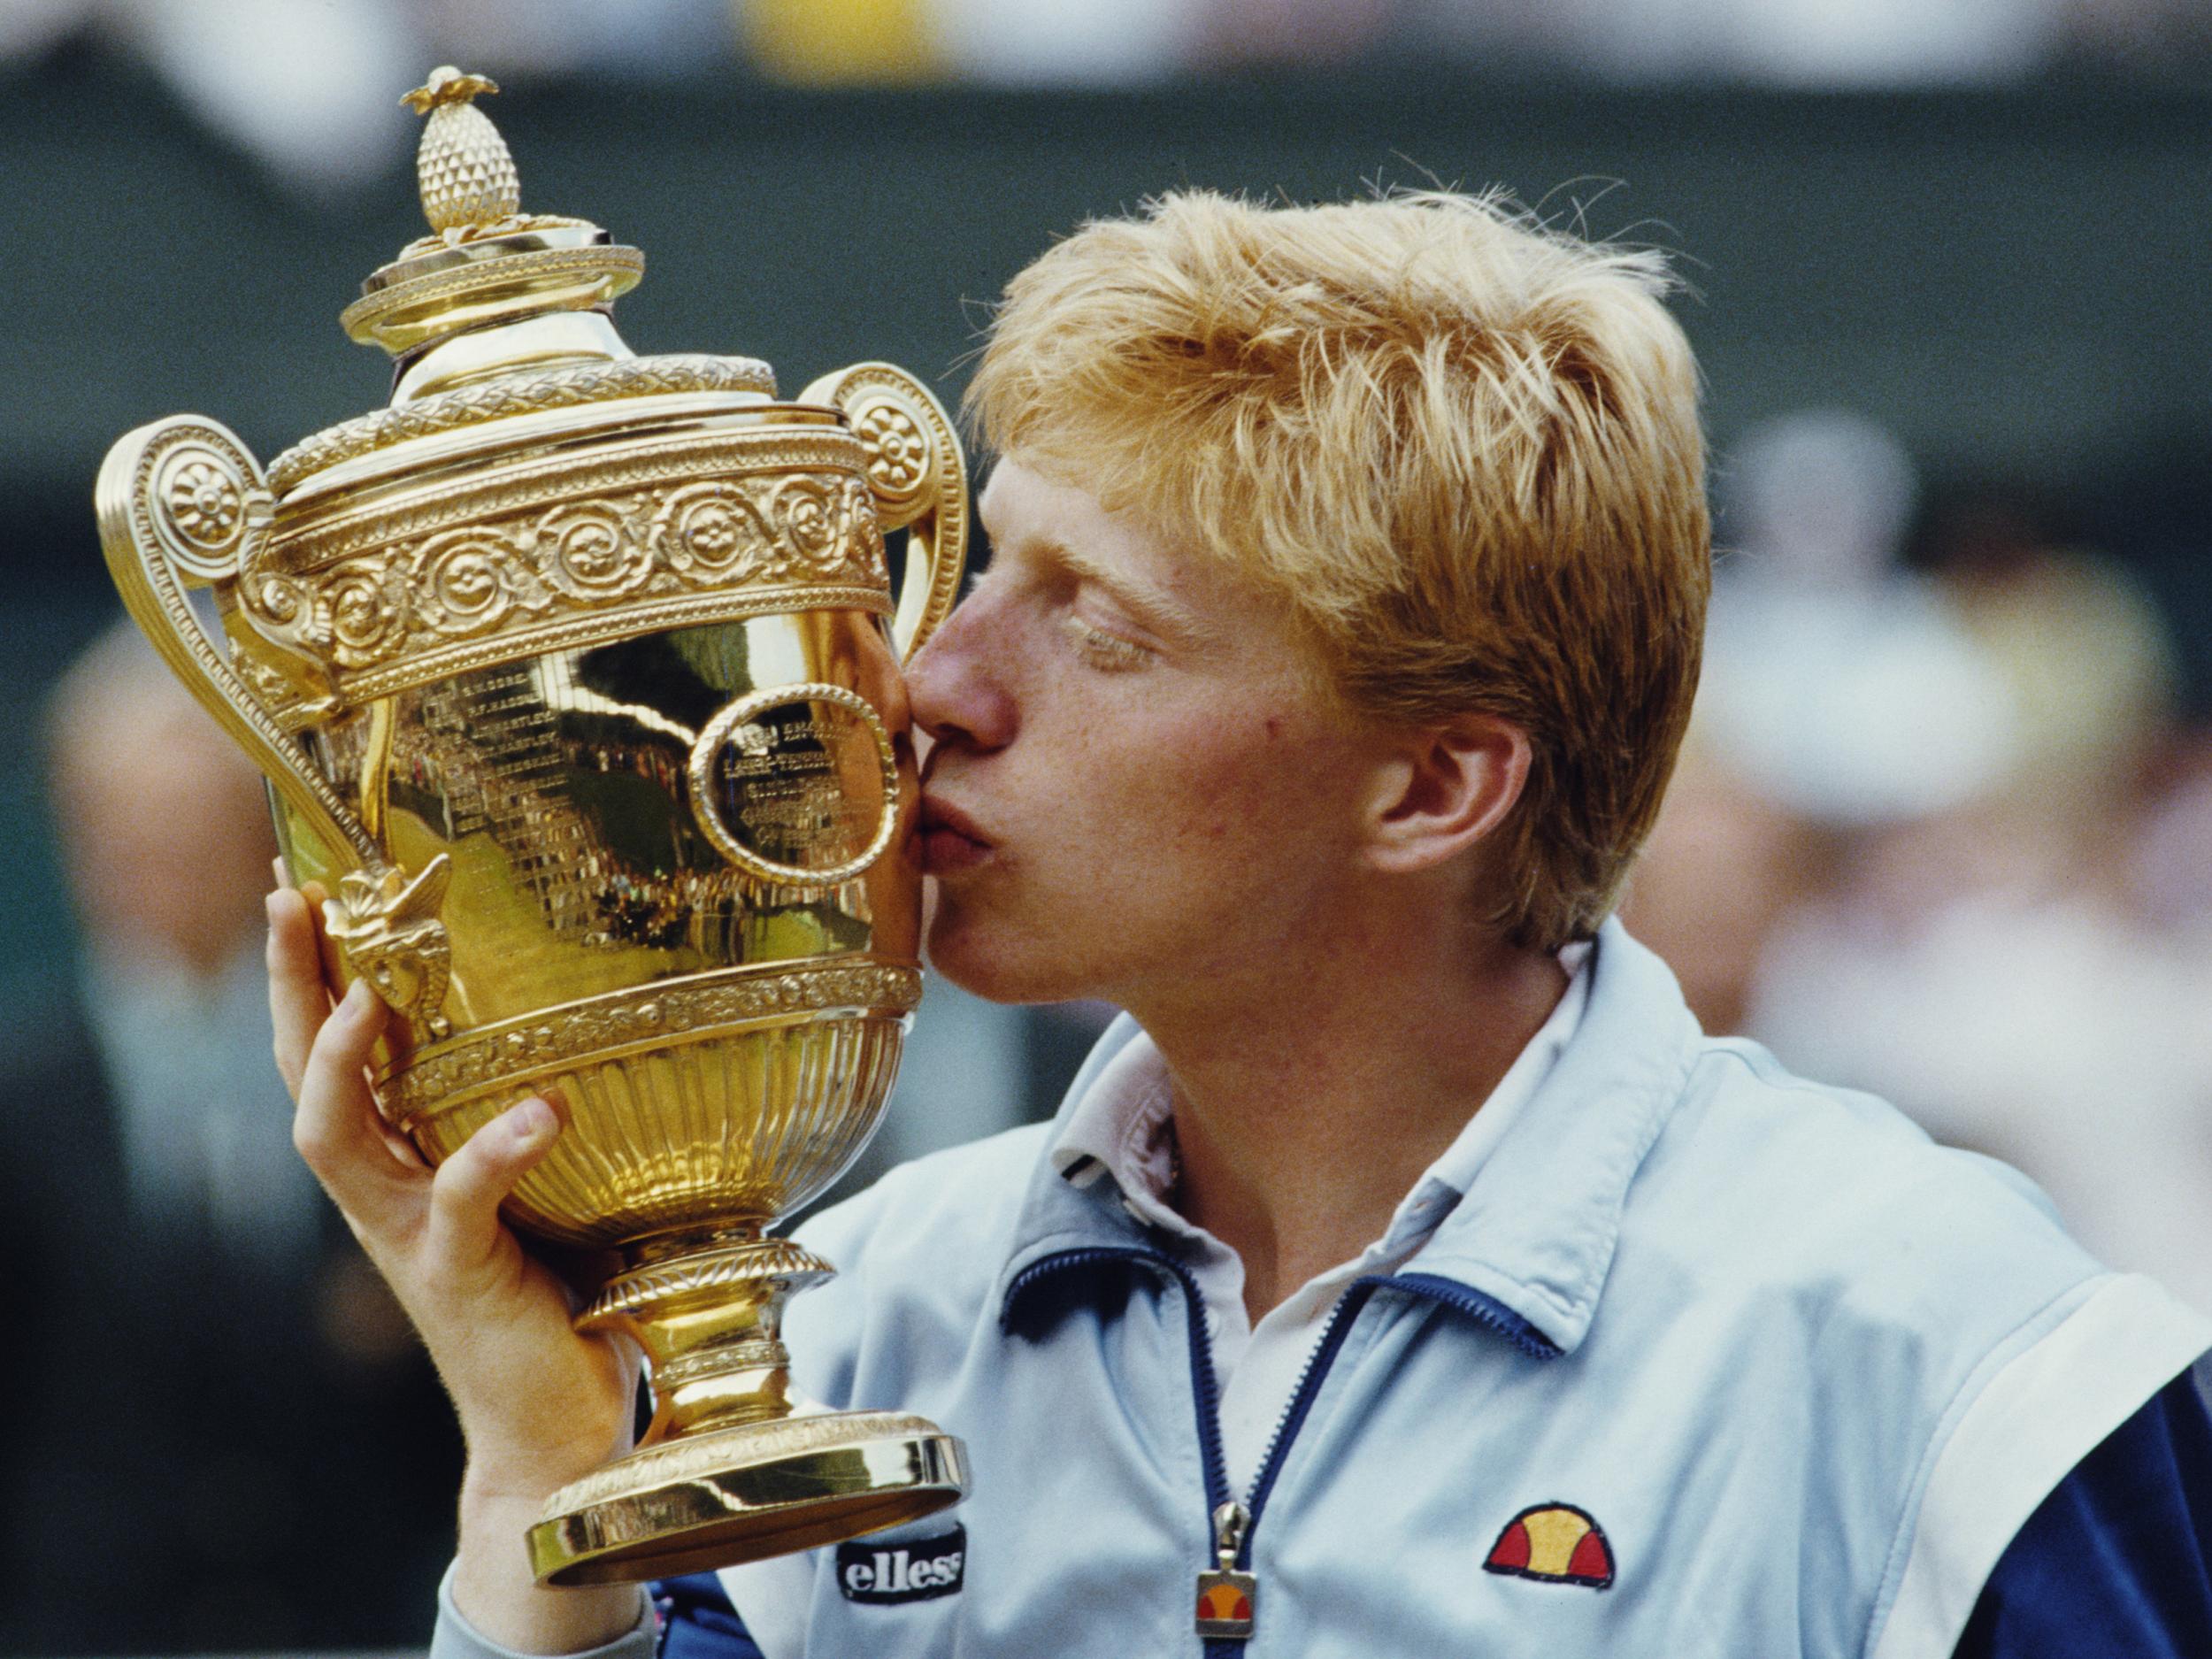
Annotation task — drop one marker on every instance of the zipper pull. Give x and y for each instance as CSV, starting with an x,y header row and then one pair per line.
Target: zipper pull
x,y
1226,1598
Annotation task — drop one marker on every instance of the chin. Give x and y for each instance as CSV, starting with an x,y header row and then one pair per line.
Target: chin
x,y
1002,964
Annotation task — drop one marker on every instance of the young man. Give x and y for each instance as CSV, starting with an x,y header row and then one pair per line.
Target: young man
x,y
1406,1274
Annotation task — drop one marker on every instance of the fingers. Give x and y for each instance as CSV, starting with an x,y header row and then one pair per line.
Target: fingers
x,y
337,1128
298,1002
463,1227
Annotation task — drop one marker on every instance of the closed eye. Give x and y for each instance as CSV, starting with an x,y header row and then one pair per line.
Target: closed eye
x,y
1104,650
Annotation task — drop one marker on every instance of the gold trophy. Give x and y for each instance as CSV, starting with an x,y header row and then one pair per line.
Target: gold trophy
x,y
575,675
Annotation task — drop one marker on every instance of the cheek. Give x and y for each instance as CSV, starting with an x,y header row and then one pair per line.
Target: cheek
x,y
1239,788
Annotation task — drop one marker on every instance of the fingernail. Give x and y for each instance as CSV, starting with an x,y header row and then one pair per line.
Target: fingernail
x,y
535,1121
354,1004
268,907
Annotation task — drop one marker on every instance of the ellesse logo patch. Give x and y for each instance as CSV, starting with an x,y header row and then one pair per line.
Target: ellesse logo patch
x,y
1554,1543
913,1570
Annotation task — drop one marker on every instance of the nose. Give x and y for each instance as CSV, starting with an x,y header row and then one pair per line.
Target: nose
x,y
957,691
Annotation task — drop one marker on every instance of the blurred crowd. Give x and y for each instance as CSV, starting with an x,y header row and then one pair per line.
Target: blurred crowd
x,y
1939,833
174,1268
307,89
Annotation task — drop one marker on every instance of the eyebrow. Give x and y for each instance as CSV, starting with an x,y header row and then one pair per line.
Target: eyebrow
x,y
1149,605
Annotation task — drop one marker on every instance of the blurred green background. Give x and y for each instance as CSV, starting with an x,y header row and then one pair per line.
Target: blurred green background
x,y
2011,280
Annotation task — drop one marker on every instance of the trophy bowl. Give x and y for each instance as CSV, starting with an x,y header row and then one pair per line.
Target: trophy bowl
x,y
575,677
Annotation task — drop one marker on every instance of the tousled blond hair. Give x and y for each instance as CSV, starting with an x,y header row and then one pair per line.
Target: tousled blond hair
x,y
1464,447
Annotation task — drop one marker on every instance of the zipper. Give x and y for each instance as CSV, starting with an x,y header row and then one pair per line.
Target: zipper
x,y
1225,1594
1201,1360
1232,1542
1302,1398
1233,1545
1231,1523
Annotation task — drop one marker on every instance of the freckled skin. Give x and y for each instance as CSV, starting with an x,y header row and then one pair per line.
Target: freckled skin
x,y
1167,816
1170,814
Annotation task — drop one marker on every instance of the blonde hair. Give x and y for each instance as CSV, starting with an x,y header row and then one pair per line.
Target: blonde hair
x,y
1464,446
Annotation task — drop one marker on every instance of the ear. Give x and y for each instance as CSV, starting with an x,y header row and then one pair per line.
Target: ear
x,y
1446,787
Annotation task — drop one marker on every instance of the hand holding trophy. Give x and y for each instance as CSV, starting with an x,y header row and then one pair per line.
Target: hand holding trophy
x,y
571,674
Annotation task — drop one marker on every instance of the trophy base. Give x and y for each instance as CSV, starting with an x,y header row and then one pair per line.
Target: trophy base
x,y
737,1494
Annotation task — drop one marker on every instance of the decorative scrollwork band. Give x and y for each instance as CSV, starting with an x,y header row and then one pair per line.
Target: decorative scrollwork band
x,y
498,1056
674,1373
494,400
496,575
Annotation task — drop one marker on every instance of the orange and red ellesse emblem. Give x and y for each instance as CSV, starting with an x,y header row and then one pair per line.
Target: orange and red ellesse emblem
x,y
1223,1604
1554,1543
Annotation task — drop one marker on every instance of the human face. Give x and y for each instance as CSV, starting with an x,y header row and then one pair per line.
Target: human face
x,y
1137,790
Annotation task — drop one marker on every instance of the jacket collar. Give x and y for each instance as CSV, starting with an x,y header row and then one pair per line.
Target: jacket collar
x,y
1536,1230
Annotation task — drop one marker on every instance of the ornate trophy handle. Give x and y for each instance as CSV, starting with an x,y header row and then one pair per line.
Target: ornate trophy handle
x,y
183,502
182,498
920,482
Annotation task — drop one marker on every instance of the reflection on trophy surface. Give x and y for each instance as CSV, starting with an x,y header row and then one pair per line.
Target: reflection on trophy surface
x,y
571,676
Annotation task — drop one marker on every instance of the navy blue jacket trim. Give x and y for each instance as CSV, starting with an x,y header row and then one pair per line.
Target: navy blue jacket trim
x,y
1018,1306
2118,1561
1301,1399
1486,1310
1452,1293
697,1621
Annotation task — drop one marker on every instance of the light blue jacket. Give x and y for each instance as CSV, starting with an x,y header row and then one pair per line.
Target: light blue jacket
x,y
1804,1372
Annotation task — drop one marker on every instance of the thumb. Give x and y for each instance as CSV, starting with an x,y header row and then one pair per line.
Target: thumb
x,y
463,1227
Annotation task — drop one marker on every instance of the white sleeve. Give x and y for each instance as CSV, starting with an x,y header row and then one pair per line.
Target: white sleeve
x,y
773,1598
2043,1410
454,1637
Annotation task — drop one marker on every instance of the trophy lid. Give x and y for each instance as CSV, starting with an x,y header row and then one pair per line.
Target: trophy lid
x,y
497,311
486,261
533,486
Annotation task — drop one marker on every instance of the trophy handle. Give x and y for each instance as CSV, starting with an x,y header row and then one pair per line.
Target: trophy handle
x,y
919,480
182,502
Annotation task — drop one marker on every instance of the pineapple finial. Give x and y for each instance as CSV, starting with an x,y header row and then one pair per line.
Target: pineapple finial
x,y
468,179
485,260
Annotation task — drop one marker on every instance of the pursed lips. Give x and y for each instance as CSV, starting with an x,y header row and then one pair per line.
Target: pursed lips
x,y
950,839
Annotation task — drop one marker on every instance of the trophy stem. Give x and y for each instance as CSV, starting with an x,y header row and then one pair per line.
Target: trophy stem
x,y
708,1312
735,1465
